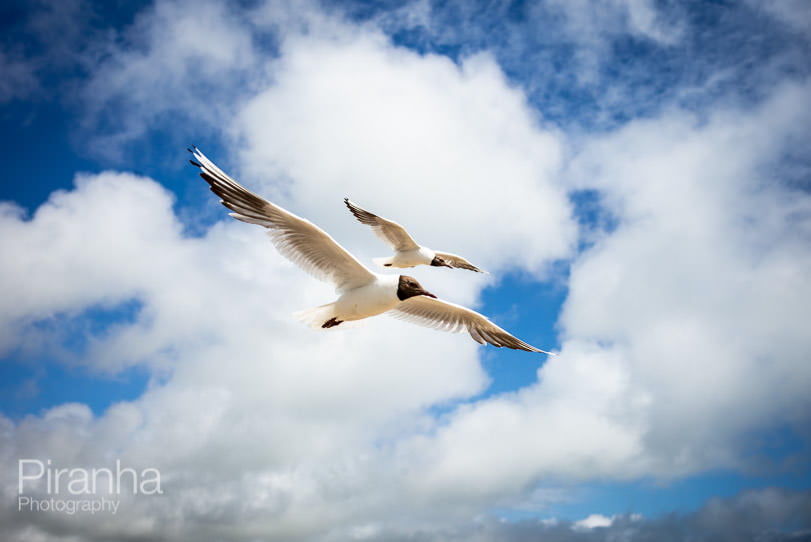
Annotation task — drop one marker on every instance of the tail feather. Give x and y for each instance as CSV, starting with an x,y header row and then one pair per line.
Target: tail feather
x,y
316,316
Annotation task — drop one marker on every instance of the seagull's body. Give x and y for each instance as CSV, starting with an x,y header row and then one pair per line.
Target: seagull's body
x,y
408,258
407,253
376,297
361,293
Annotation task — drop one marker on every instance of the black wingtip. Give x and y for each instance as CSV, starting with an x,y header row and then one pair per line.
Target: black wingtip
x,y
192,162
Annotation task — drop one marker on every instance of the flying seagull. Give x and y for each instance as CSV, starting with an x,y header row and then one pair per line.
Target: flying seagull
x,y
407,253
361,293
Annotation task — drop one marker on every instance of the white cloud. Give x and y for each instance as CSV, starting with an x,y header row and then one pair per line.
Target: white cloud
x,y
683,331
593,25
593,521
414,138
176,59
705,281
590,20
247,381
63,253
576,423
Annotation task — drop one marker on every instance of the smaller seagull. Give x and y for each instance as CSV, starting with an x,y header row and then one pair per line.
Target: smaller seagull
x,y
361,293
407,253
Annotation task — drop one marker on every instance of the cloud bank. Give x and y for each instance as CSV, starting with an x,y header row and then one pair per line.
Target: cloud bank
x,y
681,336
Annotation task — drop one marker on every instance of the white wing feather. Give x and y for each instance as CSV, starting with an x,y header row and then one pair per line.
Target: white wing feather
x,y
389,231
446,316
454,260
296,238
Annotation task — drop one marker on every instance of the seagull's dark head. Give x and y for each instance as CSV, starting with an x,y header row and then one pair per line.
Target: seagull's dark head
x,y
439,262
409,287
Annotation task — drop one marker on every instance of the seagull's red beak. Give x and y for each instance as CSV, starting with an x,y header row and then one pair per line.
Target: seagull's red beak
x,y
428,294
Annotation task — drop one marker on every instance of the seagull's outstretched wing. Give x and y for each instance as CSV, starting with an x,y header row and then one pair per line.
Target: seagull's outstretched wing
x,y
390,232
459,262
299,240
447,316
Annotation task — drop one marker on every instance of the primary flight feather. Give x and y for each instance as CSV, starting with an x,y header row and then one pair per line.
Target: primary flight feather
x,y
362,293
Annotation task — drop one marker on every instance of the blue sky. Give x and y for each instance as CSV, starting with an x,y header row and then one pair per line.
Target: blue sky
x,y
633,173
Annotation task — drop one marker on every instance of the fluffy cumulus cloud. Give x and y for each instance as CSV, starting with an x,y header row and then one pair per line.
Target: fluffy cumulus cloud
x,y
705,280
578,422
246,381
692,308
416,138
174,61
681,335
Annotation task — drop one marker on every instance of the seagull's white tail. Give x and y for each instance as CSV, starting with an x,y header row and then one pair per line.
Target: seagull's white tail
x,y
384,262
316,317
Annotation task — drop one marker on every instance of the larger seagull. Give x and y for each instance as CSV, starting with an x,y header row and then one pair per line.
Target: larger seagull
x,y
361,293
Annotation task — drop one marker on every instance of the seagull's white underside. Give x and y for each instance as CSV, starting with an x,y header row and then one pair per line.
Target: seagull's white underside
x,y
375,298
408,258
